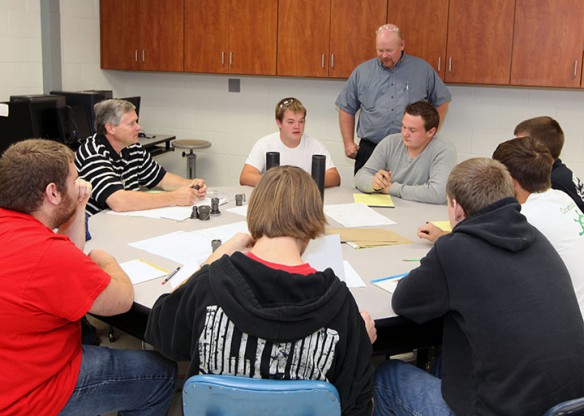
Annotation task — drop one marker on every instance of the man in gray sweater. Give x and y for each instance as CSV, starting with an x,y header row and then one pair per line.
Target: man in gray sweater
x,y
413,165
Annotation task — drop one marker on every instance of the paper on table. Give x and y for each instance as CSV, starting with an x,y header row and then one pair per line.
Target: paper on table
x,y
388,285
170,213
325,252
4,110
139,271
242,210
374,200
356,215
352,278
368,237
186,271
184,247
443,225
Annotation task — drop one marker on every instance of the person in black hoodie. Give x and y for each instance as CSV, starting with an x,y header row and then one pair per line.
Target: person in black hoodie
x,y
266,313
513,336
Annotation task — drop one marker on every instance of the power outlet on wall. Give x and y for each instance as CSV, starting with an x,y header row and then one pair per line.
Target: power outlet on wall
x,y
234,85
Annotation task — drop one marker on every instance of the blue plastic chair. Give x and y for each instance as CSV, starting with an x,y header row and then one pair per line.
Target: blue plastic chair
x,y
568,408
214,395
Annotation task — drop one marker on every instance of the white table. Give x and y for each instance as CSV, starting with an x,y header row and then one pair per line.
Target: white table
x,y
113,233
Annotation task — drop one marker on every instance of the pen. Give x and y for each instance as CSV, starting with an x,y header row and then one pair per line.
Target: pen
x,y
395,276
170,275
412,259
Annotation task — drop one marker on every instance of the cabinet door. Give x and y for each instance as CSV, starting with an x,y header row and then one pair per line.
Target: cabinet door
x,y
352,38
119,34
480,36
303,37
424,25
206,36
547,43
253,30
162,34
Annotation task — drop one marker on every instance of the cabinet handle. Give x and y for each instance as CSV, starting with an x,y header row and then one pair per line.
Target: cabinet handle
x,y
143,56
230,58
332,60
222,57
322,60
439,63
136,55
575,68
450,64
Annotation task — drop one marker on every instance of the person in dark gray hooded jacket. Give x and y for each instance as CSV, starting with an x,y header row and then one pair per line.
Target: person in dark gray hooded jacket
x,y
266,313
513,337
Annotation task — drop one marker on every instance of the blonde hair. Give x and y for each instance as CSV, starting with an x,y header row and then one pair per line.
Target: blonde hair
x,y
290,103
286,203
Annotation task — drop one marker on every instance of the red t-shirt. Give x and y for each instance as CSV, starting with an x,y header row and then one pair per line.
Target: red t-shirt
x,y
48,284
303,269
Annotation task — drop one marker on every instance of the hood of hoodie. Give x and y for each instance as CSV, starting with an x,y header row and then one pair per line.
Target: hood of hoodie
x,y
274,304
510,231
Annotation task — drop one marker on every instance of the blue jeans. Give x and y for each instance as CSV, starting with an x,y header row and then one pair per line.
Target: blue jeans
x,y
403,389
128,381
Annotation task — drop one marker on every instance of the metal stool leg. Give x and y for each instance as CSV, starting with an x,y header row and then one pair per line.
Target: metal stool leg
x,y
191,165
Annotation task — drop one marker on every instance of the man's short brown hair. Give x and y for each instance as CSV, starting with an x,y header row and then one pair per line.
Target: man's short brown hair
x,y
477,183
286,203
290,103
545,129
425,110
529,162
27,167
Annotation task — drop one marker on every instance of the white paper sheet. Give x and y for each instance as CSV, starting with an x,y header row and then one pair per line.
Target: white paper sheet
x,y
356,215
140,271
352,278
186,247
4,109
242,210
326,252
170,213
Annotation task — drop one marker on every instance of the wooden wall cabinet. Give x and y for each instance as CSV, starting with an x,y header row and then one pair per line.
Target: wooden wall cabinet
x,y
548,42
480,35
465,41
326,38
424,25
231,36
142,34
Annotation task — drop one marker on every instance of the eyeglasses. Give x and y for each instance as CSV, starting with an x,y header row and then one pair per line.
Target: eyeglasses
x,y
286,102
388,28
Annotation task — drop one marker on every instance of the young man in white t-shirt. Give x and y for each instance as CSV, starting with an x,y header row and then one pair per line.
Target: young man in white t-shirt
x,y
295,147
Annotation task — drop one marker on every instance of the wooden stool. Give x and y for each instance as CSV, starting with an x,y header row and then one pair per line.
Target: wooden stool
x,y
191,157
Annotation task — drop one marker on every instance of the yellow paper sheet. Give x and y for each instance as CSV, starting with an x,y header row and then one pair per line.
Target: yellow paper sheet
x,y
374,200
443,225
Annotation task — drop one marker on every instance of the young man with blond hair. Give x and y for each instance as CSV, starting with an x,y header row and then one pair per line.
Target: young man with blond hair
x,y
295,147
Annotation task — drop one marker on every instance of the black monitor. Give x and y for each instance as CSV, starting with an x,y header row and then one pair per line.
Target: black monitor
x,y
17,125
135,101
47,115
83,101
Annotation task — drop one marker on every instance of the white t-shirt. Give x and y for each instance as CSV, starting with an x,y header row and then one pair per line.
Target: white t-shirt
x,y
300,155
558,217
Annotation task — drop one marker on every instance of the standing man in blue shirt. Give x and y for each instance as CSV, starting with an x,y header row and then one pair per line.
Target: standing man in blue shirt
x,y
381,88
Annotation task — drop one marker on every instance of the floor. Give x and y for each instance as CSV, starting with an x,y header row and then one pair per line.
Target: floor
x,y
126,341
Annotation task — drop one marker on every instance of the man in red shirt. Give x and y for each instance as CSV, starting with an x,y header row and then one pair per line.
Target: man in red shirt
x,y
49,284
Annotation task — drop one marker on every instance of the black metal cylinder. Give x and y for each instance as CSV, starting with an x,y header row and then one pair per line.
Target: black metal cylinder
x,y
272,159
318,169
